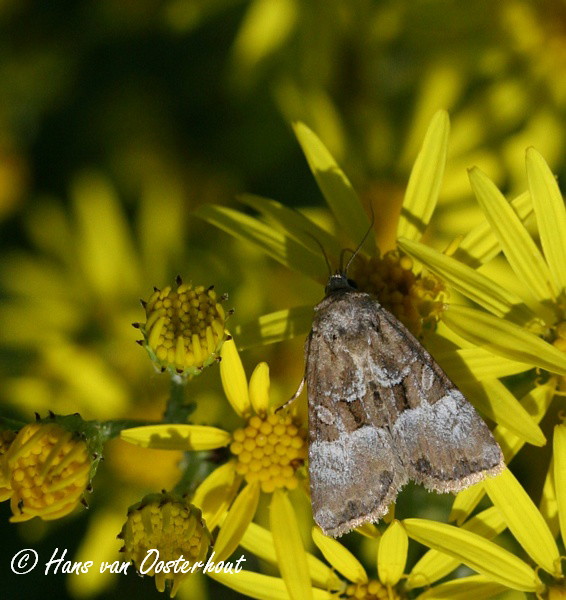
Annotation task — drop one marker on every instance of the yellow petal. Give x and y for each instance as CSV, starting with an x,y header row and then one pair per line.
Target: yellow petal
x,y
477,364
536,403
236,522
560,474
434,564
475,551
518,246
339,557
425,180
477,287
505,338
295,224
477,587
480,244
494,400
177,437
259,541
275,327
550,213
262,587
259,388
548,504
335,187
215,494
524,520
234,379
392,553
289,546
273,242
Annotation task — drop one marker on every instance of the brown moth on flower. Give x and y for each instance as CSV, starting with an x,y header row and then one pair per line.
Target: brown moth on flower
x,y
381,412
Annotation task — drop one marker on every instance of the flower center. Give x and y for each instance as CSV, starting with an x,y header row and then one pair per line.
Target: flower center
x,y
270,450
416,300
49,470
184,328
374,590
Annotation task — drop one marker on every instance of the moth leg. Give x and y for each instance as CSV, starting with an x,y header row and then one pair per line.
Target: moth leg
x,y
293,397
302,384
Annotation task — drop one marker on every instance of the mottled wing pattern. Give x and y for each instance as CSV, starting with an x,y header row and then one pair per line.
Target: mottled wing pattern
x,y
381,411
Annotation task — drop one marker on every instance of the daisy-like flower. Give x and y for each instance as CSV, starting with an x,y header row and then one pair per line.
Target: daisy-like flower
x,y
165,527
524,319
415,298
535,530
390,577
47,469
184,330
267,454
418,298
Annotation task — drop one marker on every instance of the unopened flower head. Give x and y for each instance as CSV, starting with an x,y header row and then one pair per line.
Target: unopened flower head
x,y
416,300
269,450
184,330
45,471
7,436
171,525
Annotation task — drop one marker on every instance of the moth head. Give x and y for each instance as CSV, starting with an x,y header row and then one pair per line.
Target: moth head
x,y
339,282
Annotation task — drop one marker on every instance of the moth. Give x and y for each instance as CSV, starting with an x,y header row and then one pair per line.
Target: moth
x,y
381,412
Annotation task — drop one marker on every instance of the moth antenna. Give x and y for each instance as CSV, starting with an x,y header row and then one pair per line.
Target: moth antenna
x,y
354,254
317,242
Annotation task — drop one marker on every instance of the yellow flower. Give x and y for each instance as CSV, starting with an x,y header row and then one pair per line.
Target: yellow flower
x,y
184,330
415,298
418,298
164,527
46,471
535,530
267,455
524,316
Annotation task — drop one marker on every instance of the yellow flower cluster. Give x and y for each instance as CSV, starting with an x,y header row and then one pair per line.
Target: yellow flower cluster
x,y
184,330
44,472
416,300
172,526
374,590
270,450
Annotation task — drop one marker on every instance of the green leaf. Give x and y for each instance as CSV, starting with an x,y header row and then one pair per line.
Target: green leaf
x,y
518,246
550,214
524,520
505,338
335,187
473,550
276,244
425,180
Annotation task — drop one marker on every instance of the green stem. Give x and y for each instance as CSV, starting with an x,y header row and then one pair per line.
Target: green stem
x,y
177,411
194,470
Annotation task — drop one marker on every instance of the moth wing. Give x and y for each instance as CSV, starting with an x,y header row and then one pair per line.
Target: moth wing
x,y
354,467
444,443
381,411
